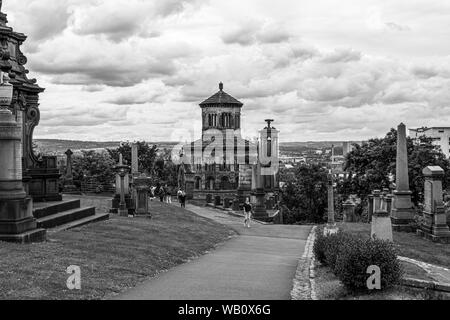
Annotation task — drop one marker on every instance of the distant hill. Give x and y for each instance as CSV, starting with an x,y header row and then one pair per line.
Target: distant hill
x,y
50,146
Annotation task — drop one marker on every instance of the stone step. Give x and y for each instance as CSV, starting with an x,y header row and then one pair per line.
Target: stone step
x,y
42,210
64,217
81,222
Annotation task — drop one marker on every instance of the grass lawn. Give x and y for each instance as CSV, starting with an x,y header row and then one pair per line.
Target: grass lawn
x,y
409,245
113,255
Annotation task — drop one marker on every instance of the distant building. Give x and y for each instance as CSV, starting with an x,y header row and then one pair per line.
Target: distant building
x,y
440,136
221,164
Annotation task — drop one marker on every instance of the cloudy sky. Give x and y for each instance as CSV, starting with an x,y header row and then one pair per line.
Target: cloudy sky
x,y
324,69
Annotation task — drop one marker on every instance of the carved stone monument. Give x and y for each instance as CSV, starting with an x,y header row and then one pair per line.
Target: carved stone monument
x,y
402,211
122,199
40,174
434,226
17,223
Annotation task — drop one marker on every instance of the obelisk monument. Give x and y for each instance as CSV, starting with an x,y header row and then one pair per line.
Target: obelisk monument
x,y
402,211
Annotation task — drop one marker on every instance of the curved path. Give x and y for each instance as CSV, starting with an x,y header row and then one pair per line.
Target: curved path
x,y
259,264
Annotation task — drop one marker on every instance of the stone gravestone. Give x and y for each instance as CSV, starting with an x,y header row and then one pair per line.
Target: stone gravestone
x,y
141,185
217,201
349,211
402,211
381,220
434,225
69,187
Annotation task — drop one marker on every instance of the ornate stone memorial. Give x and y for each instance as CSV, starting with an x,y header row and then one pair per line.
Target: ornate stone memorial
x,y
40,174
17,223
434,226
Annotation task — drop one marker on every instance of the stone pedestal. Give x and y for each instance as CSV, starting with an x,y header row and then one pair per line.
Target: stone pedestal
x,y
141,186
259,211
402,212
349,211
17,223
434,226
381,220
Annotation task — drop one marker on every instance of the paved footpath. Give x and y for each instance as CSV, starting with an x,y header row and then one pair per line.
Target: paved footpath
x,y
259,264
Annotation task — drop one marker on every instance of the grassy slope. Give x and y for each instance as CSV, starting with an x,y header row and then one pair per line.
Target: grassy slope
x,y
409,245
113,255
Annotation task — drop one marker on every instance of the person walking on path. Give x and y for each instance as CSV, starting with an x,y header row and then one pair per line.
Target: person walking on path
x,y
247,213
182,198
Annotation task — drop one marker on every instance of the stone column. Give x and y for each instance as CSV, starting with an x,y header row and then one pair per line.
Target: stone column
x,y
17,223
434,226
331,225
370,207
134,160
402,211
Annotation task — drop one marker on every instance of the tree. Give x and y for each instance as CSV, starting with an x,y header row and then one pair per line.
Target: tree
x,y
146,155
92,163
373,164
165,169
306,193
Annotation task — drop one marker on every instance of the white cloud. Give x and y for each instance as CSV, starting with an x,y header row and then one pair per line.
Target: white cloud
x,y
117,69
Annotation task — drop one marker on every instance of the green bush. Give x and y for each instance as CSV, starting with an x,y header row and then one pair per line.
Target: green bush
x,y
358,255
349,257
319,247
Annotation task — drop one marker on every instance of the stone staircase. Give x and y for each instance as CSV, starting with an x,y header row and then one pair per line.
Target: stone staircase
x,y
65,215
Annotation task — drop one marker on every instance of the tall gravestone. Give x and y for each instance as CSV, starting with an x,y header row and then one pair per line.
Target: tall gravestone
x,y
434,225
402,211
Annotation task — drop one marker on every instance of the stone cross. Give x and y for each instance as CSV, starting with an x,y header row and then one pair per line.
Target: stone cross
x,y
402,211
120,159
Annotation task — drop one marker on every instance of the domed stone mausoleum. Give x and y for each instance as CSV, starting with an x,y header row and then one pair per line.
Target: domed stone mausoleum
x,y
220,167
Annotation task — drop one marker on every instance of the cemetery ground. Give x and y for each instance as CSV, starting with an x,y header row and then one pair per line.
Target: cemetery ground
x,y
113,255
408,245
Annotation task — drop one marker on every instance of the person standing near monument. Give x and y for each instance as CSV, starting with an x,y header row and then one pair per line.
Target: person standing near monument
x,y
247,213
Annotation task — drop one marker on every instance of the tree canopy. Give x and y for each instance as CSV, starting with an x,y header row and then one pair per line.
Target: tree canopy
x,y
372,165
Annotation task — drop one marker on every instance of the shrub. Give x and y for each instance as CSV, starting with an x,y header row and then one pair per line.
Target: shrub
x,y
358,254
319,246
349,257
